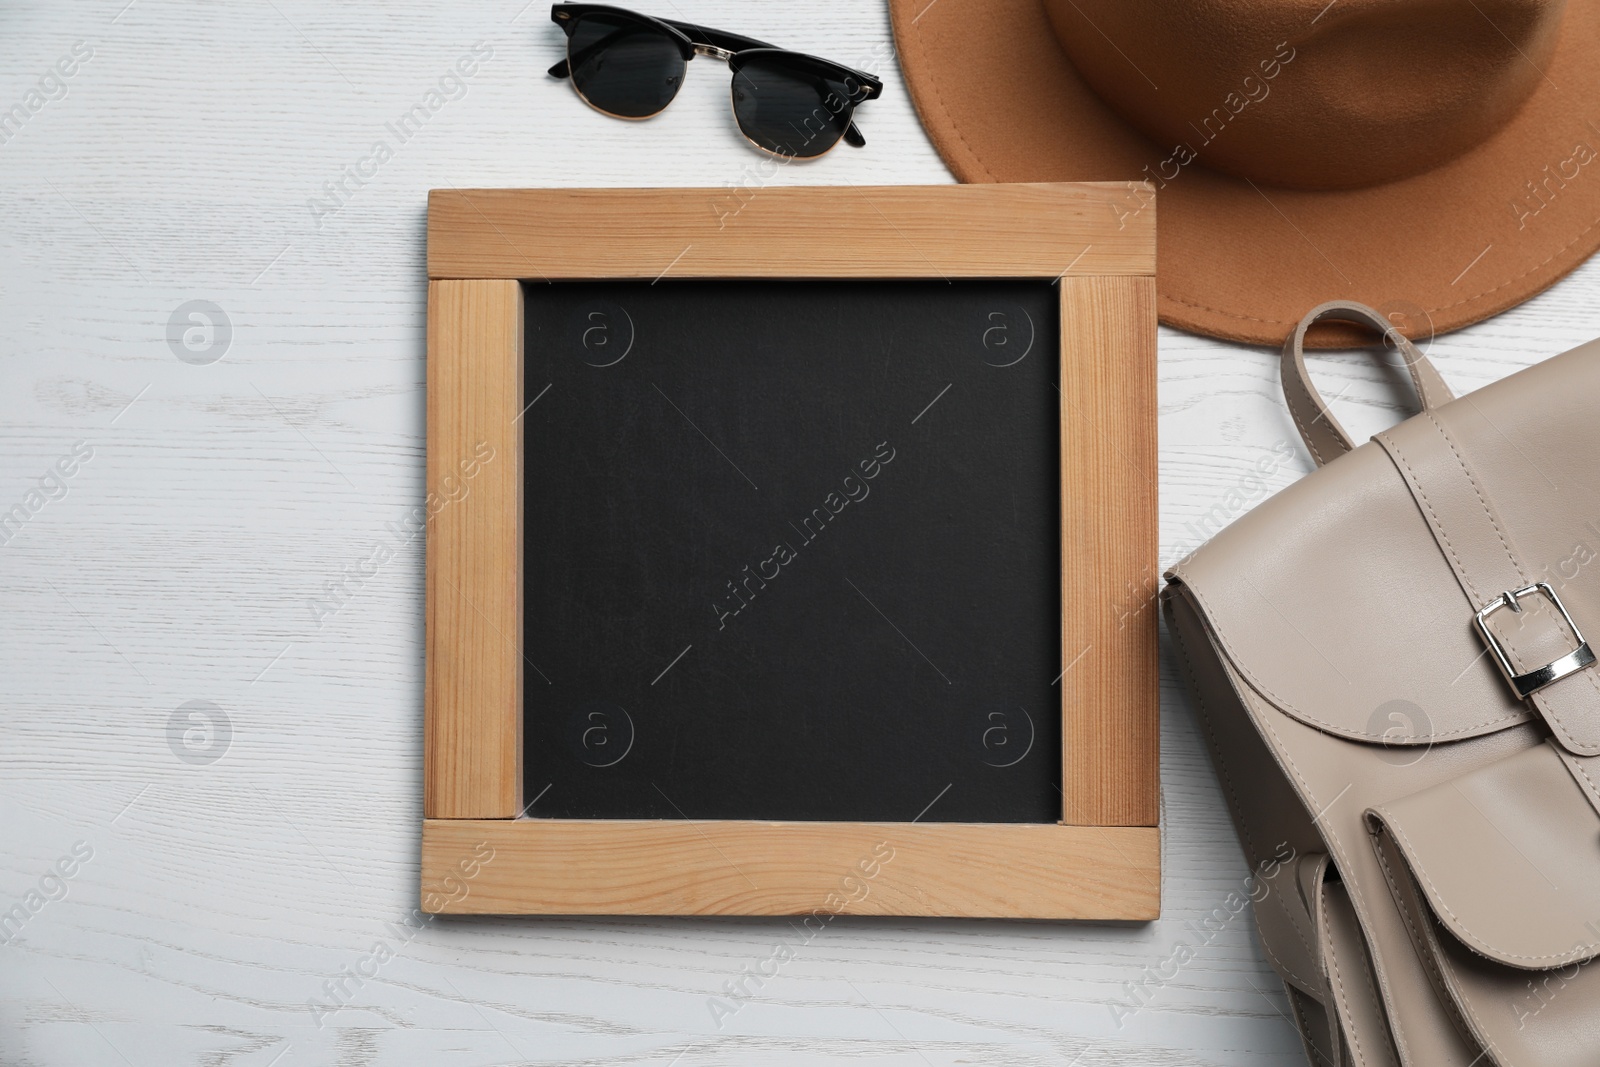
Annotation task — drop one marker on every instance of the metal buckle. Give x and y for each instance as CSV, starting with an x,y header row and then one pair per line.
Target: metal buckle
x,y
1530,683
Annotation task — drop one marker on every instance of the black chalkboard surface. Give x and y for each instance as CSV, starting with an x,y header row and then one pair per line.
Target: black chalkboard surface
x,y
792,550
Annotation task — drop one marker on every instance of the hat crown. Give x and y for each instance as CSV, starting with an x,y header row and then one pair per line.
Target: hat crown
x,y
1307,93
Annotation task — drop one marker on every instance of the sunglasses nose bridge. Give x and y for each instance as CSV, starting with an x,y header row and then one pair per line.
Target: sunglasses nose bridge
x,y
713,51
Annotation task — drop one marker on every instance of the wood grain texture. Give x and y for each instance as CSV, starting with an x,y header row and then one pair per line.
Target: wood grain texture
x,y
669,867
222,897
472,753
966,231
1110,701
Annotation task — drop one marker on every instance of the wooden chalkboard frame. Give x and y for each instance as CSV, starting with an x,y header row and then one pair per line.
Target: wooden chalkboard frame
x,y
479,856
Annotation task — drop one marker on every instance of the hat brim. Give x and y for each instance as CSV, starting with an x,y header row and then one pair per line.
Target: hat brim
x,y
1243,261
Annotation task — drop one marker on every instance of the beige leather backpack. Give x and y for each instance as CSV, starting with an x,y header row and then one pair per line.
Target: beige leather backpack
x,y
1390,666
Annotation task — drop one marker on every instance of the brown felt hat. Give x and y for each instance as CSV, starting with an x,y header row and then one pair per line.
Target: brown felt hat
x,y
1436,159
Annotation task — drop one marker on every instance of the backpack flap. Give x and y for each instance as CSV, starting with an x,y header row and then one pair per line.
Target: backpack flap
x,y
1328,599
1497,874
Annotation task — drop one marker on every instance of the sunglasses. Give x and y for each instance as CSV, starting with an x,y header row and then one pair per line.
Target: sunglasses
x,y
787,103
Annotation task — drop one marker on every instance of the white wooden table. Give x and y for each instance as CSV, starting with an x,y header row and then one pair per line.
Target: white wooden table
x,y
228,153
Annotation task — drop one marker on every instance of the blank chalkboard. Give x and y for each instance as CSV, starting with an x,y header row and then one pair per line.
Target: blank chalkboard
x,y
792,550
759,541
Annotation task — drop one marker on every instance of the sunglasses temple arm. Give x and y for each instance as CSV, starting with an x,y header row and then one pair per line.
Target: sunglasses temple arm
x,y
560,70
853,137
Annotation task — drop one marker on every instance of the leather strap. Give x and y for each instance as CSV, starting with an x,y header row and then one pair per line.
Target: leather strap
x,y
1311,872
1323,435
1357,1026
1311,1019
1477,543
1363,1024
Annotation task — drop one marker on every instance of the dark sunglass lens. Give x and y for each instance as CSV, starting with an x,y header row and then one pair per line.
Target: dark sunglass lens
x,y
624,66
786,107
